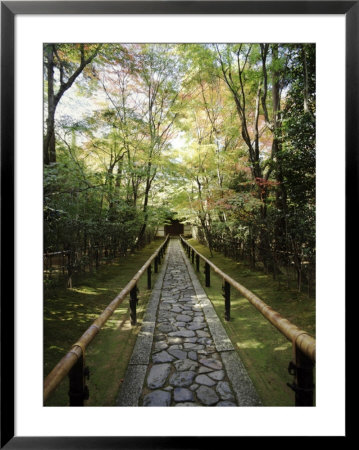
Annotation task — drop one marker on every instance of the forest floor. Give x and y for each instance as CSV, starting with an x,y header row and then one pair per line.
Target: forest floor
x,y
264,351
69,312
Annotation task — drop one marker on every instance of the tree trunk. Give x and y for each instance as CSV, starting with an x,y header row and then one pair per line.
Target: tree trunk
x,y
305,96
145,204
281,195
53,99
49,140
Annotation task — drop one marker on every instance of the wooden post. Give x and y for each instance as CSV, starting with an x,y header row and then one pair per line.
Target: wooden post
x,y
197,262
133,304
304,394
207,274
78,391
303,386
192,256
227,300
149,271
156,264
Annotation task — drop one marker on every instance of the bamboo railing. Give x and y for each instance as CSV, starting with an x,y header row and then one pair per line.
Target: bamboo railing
x,y
304,347
73,363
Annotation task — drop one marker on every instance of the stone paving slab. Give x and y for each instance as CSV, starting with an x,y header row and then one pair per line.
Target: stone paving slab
x,y
183,356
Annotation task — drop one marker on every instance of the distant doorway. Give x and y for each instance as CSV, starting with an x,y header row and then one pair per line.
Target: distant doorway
x,y
175,229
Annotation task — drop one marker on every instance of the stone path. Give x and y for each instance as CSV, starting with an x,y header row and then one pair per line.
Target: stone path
x,y
183,356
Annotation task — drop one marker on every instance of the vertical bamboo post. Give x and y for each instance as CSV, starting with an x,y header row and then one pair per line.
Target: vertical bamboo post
x,y
133,304
227,300
197,262
302,368
149,272
78,391
304,392
207,274
156,264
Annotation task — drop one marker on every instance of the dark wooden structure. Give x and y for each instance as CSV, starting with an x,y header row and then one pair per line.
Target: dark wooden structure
x,y
175,229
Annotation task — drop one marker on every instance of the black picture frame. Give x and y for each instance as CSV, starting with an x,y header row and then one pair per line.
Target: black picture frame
x,y
9,9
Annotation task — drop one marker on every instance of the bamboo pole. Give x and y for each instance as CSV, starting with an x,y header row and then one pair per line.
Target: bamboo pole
x,y
59,372
300,338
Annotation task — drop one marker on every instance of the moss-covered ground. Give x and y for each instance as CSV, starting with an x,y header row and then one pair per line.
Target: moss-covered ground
x,y
263,349
69,312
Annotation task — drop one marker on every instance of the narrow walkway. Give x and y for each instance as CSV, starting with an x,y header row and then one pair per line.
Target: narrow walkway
x,y
183,356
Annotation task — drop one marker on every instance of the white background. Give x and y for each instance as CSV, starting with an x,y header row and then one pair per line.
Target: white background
x,y
327,418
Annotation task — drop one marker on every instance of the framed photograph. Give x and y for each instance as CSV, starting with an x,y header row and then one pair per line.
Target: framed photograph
x,y
329,32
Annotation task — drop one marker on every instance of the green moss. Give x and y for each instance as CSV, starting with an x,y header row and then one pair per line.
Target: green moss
x,y
263,349
69,312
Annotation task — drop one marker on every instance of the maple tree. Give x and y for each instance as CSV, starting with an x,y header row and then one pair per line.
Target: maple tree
x,y
221,134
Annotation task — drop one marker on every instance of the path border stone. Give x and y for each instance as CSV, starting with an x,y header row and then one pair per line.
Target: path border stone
x,y
134,378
